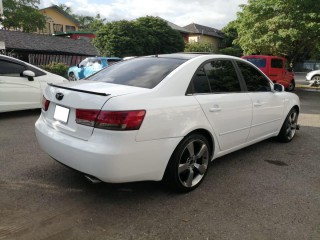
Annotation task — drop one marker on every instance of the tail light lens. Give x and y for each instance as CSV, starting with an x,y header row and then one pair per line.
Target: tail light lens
x,y
45,103
111,120
86,116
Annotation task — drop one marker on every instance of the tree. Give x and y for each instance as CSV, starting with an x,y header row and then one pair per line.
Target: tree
x,y
159,37
289,28
89,23
144,36
231,34
200,47
22,15
119,38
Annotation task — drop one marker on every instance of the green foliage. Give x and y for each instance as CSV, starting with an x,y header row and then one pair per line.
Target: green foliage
x,y
144,36
159,37
233,51
88,23
56,68
290,28
200,47
22,15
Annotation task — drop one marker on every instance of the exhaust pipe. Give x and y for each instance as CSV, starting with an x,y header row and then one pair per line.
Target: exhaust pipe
x,y
92,179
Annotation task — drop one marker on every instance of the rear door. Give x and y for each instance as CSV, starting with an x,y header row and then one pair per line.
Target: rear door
x,y
267,106
277,70
17,92
228,109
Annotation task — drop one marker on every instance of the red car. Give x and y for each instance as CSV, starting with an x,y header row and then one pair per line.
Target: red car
x,y
275,68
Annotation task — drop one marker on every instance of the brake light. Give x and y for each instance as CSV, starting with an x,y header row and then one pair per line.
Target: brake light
x,y
86,116
111,120
45,103
120,120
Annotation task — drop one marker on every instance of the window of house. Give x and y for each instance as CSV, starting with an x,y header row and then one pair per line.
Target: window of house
x,y
57,28
70,28
255,80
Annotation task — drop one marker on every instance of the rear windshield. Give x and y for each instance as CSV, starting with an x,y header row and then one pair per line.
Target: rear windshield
x,y
145,72
259,62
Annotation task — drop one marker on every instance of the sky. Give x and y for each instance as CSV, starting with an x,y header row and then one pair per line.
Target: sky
x,y
210,13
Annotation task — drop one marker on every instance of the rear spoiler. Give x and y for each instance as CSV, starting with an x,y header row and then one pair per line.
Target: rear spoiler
x,y
79,90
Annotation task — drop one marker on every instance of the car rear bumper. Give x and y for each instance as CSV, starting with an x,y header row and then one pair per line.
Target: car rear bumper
x,y
111,156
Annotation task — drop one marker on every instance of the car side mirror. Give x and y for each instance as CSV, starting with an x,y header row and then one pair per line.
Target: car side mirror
x,y
278,87
29,74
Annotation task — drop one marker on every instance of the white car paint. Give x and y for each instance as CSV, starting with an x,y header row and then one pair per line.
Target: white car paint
x,y
20,93
232,120
313,76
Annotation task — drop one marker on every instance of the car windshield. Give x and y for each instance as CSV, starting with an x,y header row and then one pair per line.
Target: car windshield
x,y
259,62
145,72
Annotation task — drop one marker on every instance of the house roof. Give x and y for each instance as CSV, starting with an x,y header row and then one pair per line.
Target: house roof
x,y
64,13
46,43
197,28
175,27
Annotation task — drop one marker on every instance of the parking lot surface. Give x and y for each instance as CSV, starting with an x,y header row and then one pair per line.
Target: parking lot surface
x,y
269,190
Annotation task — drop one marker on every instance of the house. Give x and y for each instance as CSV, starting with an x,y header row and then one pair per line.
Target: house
x,y
58,21
184,32
200,33
41,49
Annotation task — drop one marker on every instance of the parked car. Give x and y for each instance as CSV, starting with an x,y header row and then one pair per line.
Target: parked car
x,y
89,66
275,68
313,77
163,117
22,84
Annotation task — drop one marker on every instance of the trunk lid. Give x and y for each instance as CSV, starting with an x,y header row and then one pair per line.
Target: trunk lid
x,y
66,98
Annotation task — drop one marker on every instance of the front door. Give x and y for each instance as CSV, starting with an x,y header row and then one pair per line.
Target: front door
x,y
16,91
227,108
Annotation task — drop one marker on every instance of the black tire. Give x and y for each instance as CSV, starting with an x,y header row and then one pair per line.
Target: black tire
x,y
72,77
289,126
188,164
291,86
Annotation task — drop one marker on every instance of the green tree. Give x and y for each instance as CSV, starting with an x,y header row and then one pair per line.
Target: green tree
x,y
22,15
88,23
159,37
200,47
119,38
144,36
230,45
289,28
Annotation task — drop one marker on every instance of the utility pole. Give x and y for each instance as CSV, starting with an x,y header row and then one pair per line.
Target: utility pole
x,y
1,9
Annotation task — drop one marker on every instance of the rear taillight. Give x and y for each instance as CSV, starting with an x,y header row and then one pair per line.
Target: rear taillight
x,y
86,116
120,120
45,103
111,120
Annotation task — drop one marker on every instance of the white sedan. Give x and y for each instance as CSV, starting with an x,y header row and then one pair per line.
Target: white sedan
x,y
163,117
313,77
22,84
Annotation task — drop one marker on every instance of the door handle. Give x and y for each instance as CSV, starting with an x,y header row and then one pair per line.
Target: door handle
x,y
215,108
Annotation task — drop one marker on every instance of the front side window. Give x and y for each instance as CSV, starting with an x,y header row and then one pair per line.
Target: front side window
x,y
11,69
222,76
145,72
255,80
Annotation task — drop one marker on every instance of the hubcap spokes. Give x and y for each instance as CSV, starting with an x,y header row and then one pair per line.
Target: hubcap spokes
x,y
193,163
292,125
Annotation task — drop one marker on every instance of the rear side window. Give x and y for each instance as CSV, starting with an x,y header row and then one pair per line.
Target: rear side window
x,y
259,62
276,63
11,69
200,82
146,72
255,80
222,76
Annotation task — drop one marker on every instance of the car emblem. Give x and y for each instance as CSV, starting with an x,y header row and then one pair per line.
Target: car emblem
x,y
59,96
